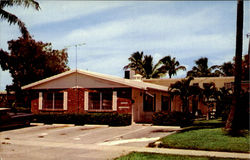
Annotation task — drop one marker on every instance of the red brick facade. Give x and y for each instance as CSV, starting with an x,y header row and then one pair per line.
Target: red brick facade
x,y
75,103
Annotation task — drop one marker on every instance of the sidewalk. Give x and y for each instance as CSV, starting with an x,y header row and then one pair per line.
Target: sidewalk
x,y
113,151
109,152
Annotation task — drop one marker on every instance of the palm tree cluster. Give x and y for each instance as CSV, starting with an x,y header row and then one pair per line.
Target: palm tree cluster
x,y
201,68
184,90
208,95
143,65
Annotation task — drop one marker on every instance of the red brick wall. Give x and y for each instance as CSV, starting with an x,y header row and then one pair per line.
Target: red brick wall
x,y
34,105
76,98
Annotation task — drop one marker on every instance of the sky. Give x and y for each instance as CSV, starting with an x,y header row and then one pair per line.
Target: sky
x,y
113,30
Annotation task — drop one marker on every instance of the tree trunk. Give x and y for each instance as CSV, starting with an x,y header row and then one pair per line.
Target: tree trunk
x,y
234,116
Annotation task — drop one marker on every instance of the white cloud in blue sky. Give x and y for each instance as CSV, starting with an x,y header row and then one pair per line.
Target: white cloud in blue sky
x,y
113,30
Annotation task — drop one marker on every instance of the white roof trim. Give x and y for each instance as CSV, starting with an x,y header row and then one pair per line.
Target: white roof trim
x,y
126,82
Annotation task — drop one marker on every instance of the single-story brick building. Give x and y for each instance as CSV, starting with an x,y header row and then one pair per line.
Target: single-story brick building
x,y
79,91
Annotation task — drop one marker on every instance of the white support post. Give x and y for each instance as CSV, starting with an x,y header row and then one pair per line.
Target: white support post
x,y
86,100
114,101
65,100
40,101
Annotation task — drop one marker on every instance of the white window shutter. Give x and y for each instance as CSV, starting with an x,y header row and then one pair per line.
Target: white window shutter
x,y
65,100
40,101
114,101
86,100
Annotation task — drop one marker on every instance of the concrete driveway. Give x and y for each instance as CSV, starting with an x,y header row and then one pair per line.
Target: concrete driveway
x,y
77,142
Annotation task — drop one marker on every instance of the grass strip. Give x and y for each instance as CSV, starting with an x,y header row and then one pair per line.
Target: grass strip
x,y
154,156
207,139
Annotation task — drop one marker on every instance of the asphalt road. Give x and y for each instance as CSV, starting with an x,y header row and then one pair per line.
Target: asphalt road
x,y
76,142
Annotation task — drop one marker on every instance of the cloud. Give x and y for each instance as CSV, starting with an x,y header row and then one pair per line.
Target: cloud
x,y
54,11
136,34
185,31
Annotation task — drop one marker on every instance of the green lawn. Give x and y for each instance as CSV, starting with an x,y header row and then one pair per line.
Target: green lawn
x,y
154,156
207,139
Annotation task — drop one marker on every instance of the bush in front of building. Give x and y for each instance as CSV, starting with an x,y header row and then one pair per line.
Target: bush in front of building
x,y
172,119
111,119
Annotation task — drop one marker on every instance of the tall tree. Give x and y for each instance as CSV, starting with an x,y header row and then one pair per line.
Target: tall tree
x,y
209,95
135,62
143,65
224,101
184,90
11,18
226,69
233,121
171,65
30,61
201,69
149,70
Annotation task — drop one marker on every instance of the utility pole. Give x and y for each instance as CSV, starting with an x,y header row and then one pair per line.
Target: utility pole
x,y
76,79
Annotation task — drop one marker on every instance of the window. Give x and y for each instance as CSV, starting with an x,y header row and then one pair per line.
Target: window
x,y
165,103
100,100
148,102
53,100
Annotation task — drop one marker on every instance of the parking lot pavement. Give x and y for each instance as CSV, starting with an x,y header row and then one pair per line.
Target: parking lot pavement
x,y
92,141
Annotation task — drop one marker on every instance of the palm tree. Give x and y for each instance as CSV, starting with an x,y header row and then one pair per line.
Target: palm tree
x,y
201,69
233,121
226,69
184,90
149,70
136,60
11,18
171,65
224,101
143,65
209,95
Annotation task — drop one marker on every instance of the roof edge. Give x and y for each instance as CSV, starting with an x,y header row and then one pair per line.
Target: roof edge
x,y
48,79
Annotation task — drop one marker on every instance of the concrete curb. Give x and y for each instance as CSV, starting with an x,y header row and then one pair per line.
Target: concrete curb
x,y
168,127
37,124
194,152
60,125
96,125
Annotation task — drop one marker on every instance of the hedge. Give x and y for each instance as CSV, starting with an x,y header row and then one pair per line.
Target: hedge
x,y
172,119
112,119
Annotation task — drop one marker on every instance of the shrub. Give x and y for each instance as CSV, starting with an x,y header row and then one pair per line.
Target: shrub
x,y
172,118
112,119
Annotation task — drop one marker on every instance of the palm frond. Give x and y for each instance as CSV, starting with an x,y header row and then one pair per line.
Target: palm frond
x,y
25,3
12,19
